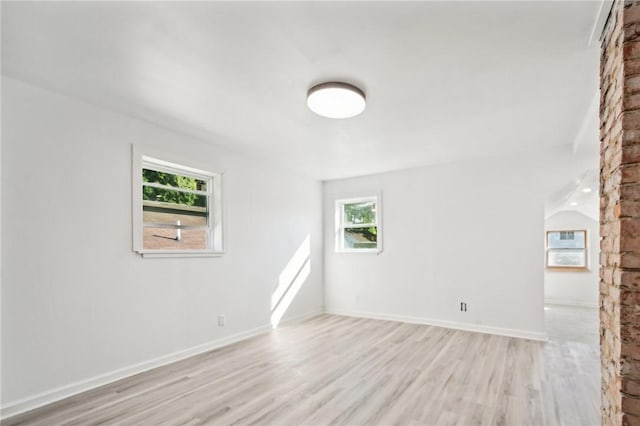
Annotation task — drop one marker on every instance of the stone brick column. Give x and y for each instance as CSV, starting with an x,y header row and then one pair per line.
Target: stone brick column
x,y
620,215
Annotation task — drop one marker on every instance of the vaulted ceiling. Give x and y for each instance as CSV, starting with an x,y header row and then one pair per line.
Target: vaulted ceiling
x,y
444,81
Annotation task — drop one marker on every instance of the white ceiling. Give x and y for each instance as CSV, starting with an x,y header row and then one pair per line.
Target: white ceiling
x,y
581,195
445,81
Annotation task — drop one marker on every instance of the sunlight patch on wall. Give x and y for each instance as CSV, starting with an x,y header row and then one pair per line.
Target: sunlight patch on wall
x,y
290,280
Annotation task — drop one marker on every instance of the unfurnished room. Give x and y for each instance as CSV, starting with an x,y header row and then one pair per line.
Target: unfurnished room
x,y
320,213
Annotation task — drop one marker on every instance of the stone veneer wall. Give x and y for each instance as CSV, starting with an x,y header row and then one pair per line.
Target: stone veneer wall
x,y
620,215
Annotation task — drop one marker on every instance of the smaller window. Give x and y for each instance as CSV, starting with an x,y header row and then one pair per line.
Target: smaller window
x,y
567,250
176,209
358,226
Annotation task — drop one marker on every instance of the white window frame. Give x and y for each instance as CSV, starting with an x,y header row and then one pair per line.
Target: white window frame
x,y
340,225
140,160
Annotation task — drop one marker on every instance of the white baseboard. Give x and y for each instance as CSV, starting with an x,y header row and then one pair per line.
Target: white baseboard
x,y
509,332
570,302
30,403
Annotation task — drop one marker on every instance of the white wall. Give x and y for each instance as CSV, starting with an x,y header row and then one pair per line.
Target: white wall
x,y
76,301
465,232
574,288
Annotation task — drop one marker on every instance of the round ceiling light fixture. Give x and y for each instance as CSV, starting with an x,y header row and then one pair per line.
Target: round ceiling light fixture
x,y
336,100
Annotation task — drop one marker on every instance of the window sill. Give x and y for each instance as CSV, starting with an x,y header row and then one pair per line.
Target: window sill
x,y
178,254
567,268
363,251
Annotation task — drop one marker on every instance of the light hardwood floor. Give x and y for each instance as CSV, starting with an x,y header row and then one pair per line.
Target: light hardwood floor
x,y
349,371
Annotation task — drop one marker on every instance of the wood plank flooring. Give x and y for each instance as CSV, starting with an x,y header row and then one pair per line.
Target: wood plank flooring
x,y
334,370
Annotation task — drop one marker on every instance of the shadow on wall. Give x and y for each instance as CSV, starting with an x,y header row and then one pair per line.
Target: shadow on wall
x,y
290,281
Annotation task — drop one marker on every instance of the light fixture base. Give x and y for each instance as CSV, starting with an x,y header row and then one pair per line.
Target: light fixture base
x,y
336,100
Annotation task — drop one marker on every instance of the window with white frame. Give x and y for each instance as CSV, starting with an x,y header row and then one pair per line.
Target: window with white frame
x,y
176,209
358,225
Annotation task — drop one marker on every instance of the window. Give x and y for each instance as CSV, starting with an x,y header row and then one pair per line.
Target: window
x,y
567,250
358,225
176,209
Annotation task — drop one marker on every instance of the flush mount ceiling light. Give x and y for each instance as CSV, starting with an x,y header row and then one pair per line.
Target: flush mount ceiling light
x,y
336,100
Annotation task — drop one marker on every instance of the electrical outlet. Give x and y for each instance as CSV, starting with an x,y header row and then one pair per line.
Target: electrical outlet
x,y
221,320
463,306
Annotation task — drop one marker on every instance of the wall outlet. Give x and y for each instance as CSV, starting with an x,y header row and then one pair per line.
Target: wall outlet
x,y
463,306
221,320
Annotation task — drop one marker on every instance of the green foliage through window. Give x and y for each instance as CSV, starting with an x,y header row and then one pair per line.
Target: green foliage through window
x,y
360,213
176,181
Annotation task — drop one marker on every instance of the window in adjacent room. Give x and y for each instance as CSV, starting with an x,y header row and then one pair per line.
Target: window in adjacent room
x,y
567,250
358,226
177,209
